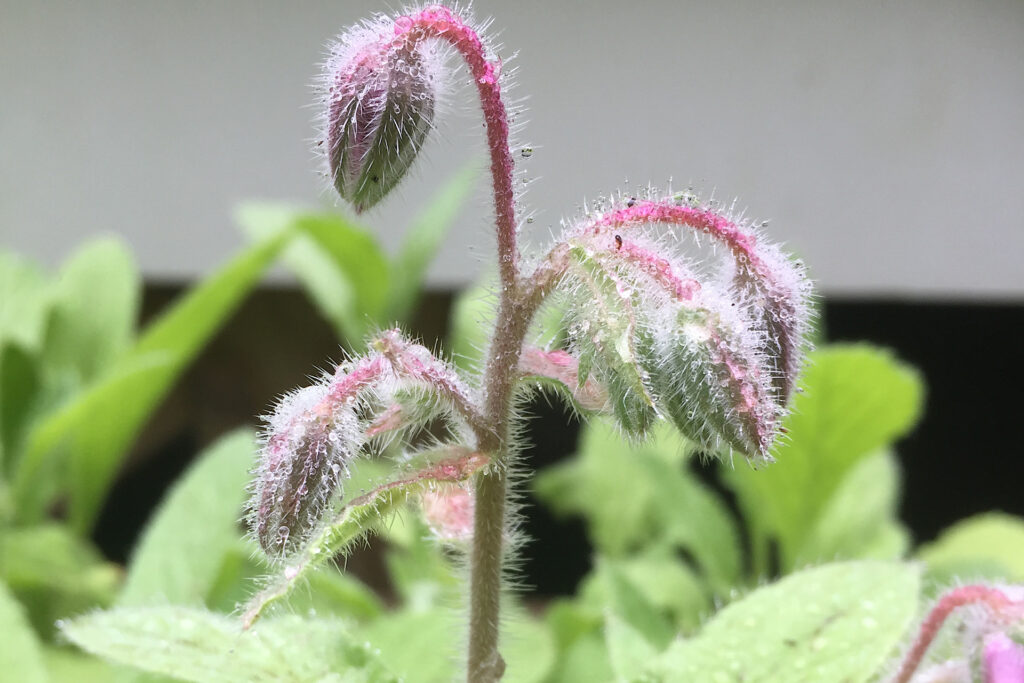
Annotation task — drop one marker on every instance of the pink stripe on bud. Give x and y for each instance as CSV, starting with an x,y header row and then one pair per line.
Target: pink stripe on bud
x,y
775,287
449,511
310,440
564,367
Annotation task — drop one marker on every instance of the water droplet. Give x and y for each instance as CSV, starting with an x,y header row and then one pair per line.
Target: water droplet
x,y
526,152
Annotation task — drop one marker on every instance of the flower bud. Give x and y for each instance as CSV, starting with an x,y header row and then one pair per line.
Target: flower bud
x,y
308,446
449,511
379,107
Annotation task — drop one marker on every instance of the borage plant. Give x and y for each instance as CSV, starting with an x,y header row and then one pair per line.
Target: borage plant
x,y
713,346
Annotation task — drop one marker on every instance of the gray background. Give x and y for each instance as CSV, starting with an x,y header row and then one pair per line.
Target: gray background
x,y
885,140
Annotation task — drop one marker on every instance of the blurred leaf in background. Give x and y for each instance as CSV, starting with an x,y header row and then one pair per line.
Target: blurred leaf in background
x,y
345,270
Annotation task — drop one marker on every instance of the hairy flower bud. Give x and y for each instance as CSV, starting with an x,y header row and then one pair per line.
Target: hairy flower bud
x,y
308,446
380,101
310,440
449,511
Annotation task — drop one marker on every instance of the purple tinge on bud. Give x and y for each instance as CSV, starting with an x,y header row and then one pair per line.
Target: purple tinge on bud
x,y
449,511
1004,659
380,100
310,440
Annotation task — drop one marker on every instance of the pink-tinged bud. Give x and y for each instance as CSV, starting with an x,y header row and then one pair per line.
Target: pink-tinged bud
x,y
311,438
1004,659
989,616
772,289
380,98
448,510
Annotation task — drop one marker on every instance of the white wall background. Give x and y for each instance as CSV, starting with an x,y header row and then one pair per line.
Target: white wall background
x,y
885,140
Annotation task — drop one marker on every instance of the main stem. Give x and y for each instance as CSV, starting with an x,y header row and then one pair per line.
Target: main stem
x,y
514,313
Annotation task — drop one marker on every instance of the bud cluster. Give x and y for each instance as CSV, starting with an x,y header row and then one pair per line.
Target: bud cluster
x,y
716,350
315,433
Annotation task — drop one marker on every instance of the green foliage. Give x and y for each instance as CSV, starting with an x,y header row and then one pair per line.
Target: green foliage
x,y
989,546
183,548
855,401
195,645
345,270
21,657
53,573
839,622
78,447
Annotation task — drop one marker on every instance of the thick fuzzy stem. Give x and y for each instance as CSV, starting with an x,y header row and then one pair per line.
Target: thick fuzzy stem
x,y
485,664
440,22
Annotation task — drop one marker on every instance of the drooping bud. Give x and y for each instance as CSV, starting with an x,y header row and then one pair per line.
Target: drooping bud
x,y
311,439
381,94
448,510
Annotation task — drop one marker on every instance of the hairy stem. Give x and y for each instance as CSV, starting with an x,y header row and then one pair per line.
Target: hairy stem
x,y
485,664
965,595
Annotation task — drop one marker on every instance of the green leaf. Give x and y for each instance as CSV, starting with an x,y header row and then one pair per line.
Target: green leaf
x,y
360,515
183,546
857,399
423,241
664,582
860,521
355,255
55,573
423,646
21,657
630,653
839,622
196,645
19,389
629,603
636,496
72,666
988,546
472,321
95,306
95,430
25,300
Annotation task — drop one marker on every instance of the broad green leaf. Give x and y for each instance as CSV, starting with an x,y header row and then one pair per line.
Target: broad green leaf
x,y
359,516
633,496
860,521
54,573
96,429
328,287
359,259
424,646
25,299
627,602
183,546
664,581
838,622
422,242
19,388
94,422
95,305
856,400
196,645
630,653
21,656
68,665
472,320
988,546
